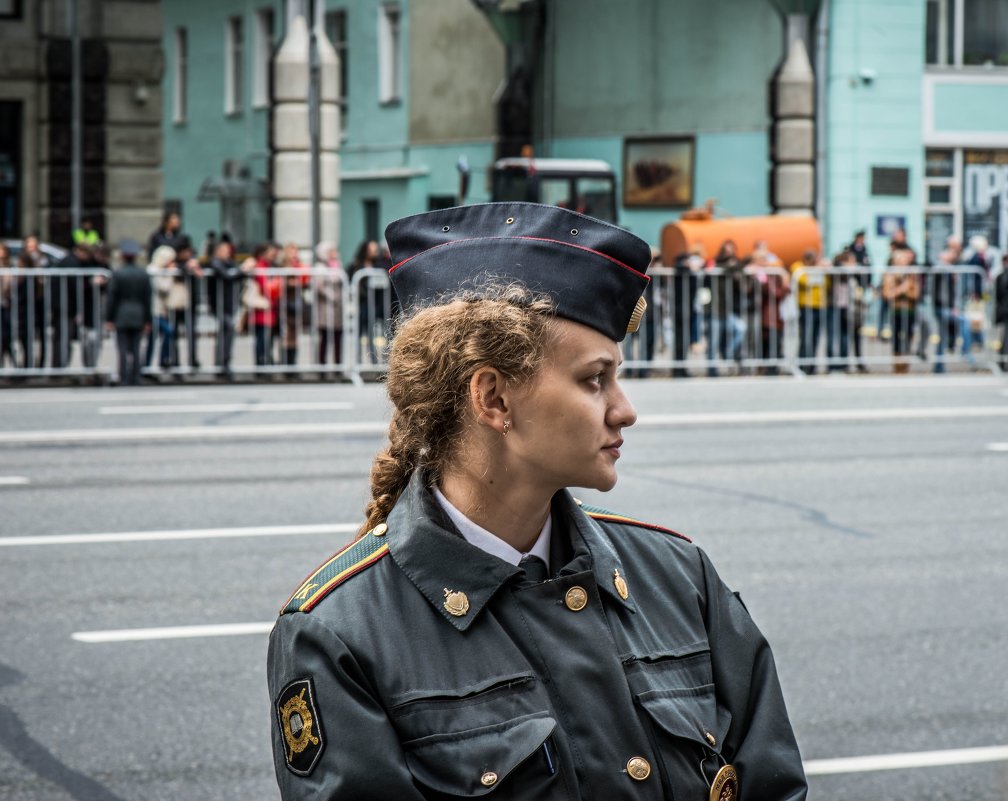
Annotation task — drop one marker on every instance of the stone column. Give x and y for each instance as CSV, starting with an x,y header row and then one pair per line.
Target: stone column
x,y
794,134
290,147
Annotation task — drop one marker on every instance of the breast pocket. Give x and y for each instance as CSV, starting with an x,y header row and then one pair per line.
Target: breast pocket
x,y
676,697
481,740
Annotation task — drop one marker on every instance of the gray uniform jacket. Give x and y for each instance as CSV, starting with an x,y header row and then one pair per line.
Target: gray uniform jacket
x,y
416,666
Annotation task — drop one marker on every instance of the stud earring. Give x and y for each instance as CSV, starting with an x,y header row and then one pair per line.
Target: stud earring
x,y
507,427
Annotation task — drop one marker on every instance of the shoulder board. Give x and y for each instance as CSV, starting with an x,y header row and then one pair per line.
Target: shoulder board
x,y
598,513
341,566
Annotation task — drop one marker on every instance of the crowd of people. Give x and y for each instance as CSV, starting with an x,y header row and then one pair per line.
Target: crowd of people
x,y
723,310
731,308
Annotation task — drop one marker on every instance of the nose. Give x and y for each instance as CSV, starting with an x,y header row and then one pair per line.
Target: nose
x,y
621,412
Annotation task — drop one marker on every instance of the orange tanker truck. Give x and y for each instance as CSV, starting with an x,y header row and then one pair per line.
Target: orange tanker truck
x,y
788,237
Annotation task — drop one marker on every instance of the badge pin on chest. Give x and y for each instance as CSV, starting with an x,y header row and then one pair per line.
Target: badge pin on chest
x,y
457,603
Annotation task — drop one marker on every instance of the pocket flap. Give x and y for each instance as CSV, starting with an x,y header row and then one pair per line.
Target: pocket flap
x,y
457,763
689,713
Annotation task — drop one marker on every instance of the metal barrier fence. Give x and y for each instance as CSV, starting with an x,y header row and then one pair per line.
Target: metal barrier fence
x,y
768,320
322,321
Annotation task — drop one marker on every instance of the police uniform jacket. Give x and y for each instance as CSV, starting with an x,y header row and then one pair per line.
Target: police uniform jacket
x,y
414,665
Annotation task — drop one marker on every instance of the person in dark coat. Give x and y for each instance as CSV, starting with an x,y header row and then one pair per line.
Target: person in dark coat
x,y
486,633
685,283
168,233
224,291
1001,309
129,311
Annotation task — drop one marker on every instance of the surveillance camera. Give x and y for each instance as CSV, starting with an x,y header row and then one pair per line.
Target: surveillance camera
x,y
867,75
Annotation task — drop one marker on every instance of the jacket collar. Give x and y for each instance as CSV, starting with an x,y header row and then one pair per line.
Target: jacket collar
x,y
439,561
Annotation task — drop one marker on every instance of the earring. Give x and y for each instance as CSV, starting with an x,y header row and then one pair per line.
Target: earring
x,y
507,427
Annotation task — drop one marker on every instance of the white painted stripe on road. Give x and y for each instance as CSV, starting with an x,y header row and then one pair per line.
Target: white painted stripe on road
x,y
180,433
279,431
919,759
1000,447
181,534
212,408
172,632
823,415
74,396
13,481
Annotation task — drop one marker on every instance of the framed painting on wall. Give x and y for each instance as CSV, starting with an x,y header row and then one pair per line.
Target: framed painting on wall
x,y
658,171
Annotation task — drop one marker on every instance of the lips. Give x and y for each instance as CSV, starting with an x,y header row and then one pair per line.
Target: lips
x,y
614,446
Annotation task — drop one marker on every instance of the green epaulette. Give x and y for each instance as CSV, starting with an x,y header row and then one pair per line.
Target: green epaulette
x,y
341,566
598,513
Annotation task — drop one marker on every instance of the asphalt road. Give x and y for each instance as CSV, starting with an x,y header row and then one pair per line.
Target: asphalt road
x,y
863,520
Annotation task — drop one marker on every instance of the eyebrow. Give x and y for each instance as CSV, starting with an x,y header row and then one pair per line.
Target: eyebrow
x,y
605,361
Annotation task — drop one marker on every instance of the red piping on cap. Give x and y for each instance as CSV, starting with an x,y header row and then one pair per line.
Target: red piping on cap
x,y
530,238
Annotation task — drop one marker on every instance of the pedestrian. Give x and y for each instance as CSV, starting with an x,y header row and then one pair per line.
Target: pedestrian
x,y
976,270
725,327
264,306
329,302
901,290
487,633
860,249
67,303
162,273
943,296
640,345
773,288
840,311
813,284
227,279
168,233
7,283
293,309
86,233
37,294
1001,309
129,311
685,288
372,299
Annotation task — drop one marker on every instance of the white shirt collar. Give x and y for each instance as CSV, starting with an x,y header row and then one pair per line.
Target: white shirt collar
x,y
490,542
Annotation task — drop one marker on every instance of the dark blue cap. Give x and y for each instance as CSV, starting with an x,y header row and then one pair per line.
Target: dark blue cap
x,y
593,271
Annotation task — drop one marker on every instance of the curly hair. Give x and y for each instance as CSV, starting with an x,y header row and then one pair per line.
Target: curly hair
x,y
433,356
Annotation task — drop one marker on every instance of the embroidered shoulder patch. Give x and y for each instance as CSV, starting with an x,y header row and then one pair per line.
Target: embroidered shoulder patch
x,y
300,726
598,513
342,565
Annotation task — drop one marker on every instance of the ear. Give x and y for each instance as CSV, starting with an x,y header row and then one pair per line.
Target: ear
x,y
488,397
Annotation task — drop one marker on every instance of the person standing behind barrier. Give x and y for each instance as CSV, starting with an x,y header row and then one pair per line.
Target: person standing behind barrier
x,y
1001,309
89,317
329,302
292,305
371,299
901,290
187,315
723,334
168,233
66,302
839,316
772,288
6,307
129,311
226,293
263,319
38,290
162,277
943,296
640,345
972,319
812,288
684,293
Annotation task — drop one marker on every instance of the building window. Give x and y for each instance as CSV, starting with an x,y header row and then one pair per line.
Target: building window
x,y
262,58
180,77
389,55
371,208
336,33
234,56
967,33
10,9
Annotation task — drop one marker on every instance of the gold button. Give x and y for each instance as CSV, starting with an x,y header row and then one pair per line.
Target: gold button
x,y
379,530
710,738
638,768
576,599
489,779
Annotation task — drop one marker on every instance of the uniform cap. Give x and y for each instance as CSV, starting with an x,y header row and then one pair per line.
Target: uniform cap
x,y
593,271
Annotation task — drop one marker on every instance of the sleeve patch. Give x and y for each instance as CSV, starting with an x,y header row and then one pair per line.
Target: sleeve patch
x,y
300,727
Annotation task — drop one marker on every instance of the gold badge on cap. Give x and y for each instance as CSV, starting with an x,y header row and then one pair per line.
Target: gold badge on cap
x,y
725,787
621,585
457,603
637,316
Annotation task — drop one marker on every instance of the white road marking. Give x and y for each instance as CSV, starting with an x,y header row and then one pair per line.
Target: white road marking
x,y
55,396
13,481
920,759
282,430
823,415
181,534
1000,447
221,408
180,433
172,632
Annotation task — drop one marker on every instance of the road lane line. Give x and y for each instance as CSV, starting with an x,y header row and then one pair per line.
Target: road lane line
x,y
212,408
181,433
55,396
919,759
13,481
823,415
172,632
181,534
998,447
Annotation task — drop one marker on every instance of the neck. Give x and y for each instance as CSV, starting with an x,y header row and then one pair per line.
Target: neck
x,y
500,504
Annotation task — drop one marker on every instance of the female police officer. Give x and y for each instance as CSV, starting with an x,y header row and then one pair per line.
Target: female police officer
x,y
486,634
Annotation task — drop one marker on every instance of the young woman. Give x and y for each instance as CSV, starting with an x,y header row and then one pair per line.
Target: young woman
x,y
486,634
